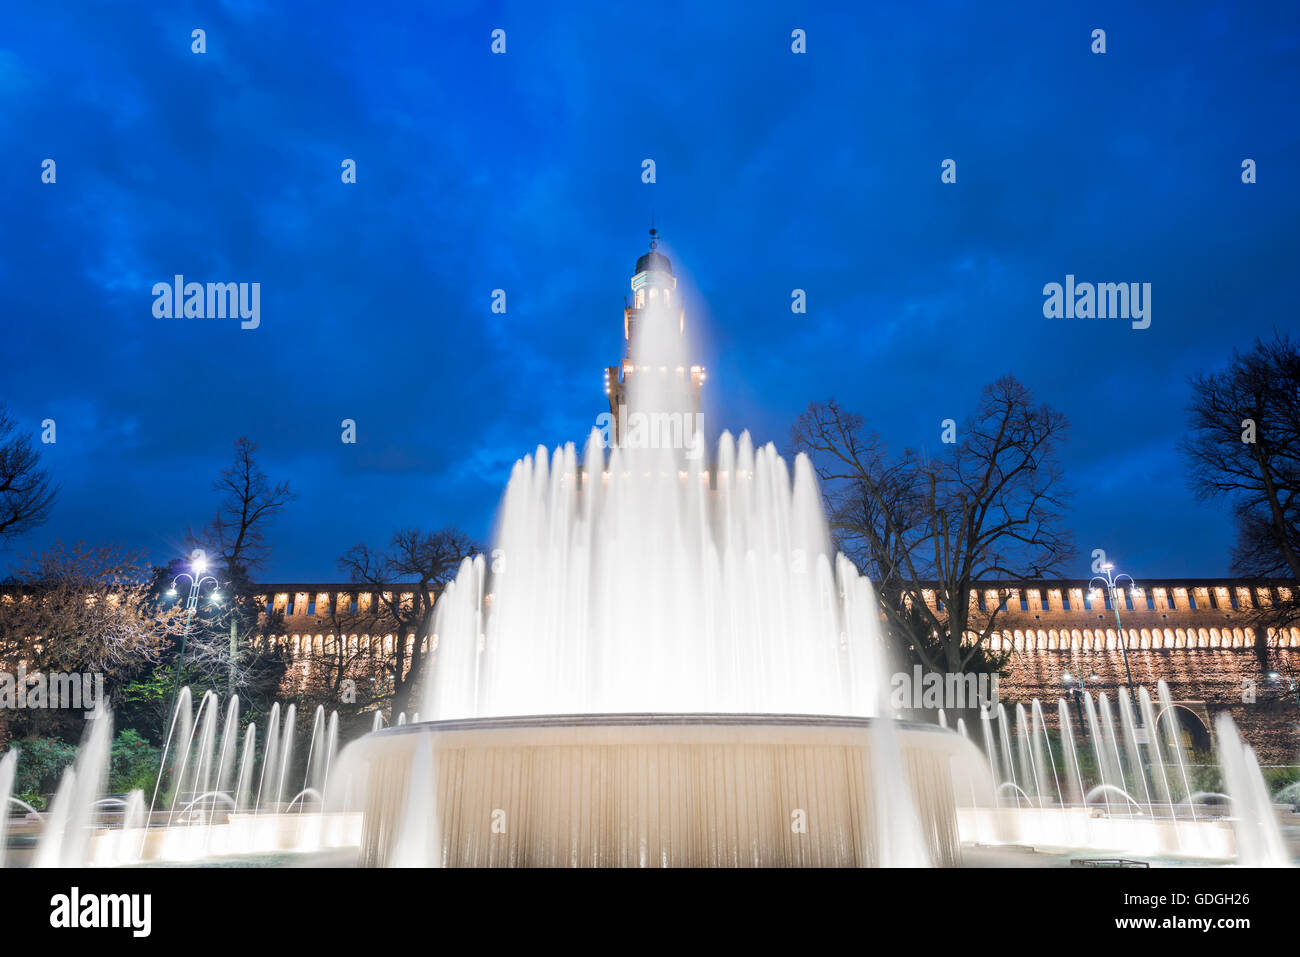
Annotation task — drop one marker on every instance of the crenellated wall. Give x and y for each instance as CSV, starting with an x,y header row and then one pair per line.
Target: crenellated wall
x,y
1195,634
309,610
1173,614
1199,635
1052,616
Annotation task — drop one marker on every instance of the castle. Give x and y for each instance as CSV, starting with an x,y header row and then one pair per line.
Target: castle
x,y
1209,639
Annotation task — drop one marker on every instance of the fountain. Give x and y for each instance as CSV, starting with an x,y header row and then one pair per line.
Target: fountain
x,y
661,662
661,672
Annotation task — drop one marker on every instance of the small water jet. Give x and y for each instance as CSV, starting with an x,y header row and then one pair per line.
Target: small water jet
x,y
1259,840
8,764
1108,811
65,840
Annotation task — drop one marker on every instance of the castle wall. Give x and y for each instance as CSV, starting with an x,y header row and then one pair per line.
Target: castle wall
x,y
1199,635
1204,681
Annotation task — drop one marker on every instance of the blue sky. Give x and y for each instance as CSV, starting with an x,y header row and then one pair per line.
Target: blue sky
x,y
522,171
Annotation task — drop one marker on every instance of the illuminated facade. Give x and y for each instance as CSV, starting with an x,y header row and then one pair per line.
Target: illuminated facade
x,y
1202,636
660,350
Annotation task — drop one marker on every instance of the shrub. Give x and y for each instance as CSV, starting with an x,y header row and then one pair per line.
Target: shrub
x,y
41,762
133,765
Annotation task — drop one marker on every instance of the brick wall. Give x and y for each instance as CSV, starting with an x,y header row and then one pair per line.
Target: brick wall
x,y
1214,676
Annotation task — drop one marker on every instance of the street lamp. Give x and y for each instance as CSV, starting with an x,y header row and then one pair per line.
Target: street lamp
x,y
1276,678
197,581
1110,581
1075,688
1114,589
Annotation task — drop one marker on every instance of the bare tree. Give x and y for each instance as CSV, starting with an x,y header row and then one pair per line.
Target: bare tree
x,y
26,492
343,675
236,539
417,564
1243,446
988,508
237,533
84,609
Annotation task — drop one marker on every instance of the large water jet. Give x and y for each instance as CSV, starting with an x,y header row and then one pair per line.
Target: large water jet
x,y
662,662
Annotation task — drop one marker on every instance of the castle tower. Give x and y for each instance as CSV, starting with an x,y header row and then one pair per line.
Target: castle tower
x,y
654,333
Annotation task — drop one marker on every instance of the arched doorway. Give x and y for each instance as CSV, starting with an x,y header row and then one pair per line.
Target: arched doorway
x,y
1193,735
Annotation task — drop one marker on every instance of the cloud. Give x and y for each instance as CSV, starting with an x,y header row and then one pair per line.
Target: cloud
x,y
521,172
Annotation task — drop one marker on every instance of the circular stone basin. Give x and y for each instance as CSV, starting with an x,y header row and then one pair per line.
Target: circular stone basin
x,y
673,790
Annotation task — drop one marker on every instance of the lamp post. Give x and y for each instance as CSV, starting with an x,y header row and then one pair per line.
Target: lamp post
x,y
197,580
1075,688
1276,678
1110,581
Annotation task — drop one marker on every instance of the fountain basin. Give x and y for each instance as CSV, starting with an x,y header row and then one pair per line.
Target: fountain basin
x,y
673,790
238,834
1077,829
